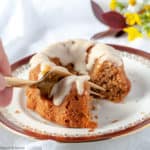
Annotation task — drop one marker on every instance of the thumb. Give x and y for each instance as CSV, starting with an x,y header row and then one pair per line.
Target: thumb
x,y
2,83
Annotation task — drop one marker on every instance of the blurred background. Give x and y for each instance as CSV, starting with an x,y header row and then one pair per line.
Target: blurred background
x,y
27,26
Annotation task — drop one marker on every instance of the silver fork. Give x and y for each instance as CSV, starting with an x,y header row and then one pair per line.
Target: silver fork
x,y
46,83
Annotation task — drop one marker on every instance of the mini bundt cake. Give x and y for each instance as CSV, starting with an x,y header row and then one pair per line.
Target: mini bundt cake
x,y
70,102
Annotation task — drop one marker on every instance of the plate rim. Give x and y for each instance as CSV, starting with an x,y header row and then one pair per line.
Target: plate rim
x,y
32,134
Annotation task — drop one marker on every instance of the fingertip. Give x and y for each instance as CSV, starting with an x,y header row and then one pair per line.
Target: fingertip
x,y
4,63
2,83
0,41
5,97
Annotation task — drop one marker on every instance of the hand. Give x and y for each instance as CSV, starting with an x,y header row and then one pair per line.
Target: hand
x,y
5,93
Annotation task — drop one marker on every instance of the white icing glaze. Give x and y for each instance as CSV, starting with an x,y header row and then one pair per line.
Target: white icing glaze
x,y
70,52
102,52
59,68
63,87
41,59
73,52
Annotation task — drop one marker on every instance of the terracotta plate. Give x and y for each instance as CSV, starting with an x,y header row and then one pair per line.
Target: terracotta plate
x,y
114,119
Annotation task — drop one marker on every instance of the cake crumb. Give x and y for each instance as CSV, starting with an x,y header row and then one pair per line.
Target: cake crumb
x,y
114,121
17,111
142,113
96,117
93,107
91,130
45,122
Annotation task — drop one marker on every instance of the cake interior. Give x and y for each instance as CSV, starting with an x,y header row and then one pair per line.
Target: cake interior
x,y
112,78
75,110
100,64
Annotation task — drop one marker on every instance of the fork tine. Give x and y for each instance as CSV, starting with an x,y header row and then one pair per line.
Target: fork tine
x,y
64,74
96,94
95,86
46,83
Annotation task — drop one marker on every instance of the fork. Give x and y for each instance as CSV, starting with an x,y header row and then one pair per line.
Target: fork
x,y
46,83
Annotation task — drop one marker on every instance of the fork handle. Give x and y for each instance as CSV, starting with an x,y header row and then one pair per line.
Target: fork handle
x,y
16,82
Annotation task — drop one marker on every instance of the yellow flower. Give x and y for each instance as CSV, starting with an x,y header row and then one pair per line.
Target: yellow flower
x,y
113,4
148,34
132,2
147,7
132,18
132,32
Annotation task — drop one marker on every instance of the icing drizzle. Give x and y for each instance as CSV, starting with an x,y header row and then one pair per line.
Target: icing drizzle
x,y
63,87
74,52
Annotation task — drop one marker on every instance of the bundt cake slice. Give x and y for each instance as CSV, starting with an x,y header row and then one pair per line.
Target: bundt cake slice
x,y
69,105
112,78
108,72
70,98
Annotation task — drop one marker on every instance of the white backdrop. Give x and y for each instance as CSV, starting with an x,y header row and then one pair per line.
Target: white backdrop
x,y
29,25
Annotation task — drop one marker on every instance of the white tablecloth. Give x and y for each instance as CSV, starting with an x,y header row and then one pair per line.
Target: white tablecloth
x,y
29,25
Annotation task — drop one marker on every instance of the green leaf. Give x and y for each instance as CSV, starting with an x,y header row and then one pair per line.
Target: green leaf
x,y
120,6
